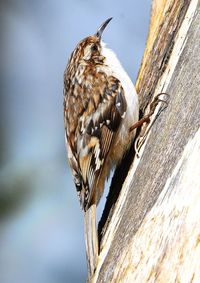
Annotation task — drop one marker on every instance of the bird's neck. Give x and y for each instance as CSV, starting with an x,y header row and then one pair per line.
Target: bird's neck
x,y
111,59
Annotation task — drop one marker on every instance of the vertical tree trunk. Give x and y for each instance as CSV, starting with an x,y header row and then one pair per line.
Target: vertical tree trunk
x,y
153,232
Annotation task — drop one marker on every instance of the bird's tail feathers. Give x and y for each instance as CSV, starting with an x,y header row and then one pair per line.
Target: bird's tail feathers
x,y
91,239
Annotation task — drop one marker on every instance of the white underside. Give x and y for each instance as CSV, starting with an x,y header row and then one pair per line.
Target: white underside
x,y
116,69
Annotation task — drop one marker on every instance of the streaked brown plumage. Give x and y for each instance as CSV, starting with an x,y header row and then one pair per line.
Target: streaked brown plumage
x,y
100,105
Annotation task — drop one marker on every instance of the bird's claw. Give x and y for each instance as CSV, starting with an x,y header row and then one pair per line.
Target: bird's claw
x,y
146,123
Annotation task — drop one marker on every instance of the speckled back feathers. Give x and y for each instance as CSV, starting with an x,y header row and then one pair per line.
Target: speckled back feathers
x,y
94,108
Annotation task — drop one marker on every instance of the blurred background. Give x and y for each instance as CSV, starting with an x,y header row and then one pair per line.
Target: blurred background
x,y
41,224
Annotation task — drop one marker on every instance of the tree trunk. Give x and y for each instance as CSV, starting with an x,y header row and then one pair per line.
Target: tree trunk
x,y
152,232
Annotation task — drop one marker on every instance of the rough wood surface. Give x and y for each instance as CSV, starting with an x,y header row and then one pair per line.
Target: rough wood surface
x,y
166,247
154,235
166,18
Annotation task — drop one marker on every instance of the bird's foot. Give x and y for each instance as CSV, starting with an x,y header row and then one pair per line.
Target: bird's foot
x,y
146,123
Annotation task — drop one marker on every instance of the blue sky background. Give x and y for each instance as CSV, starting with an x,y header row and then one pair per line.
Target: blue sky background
x,y
41,231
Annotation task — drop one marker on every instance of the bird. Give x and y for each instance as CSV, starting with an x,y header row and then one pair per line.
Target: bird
x,y
100,106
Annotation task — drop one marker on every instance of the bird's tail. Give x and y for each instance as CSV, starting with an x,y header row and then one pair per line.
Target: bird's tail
x,y
91,239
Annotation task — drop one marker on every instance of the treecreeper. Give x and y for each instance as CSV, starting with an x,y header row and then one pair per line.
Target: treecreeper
x,y
100,108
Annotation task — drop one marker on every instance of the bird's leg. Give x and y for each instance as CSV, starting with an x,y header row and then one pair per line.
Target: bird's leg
x,y
146,120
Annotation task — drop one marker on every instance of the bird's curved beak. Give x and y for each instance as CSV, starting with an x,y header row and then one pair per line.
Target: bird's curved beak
x,y
102,27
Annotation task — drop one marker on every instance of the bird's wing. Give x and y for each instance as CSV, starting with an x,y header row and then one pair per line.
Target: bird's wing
x,y
93,139
94,144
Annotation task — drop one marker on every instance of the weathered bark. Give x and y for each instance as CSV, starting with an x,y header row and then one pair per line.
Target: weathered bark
x,y
152,233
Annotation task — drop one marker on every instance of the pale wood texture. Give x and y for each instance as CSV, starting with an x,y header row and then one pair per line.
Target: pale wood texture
x,y
166,18
153,234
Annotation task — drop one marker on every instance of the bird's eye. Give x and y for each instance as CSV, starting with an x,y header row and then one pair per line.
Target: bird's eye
x,y
94,48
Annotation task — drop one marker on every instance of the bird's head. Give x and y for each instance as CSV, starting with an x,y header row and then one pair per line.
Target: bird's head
x,y
89,49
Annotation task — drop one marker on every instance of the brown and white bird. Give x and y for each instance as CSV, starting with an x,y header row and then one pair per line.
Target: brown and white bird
x,y
100,106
